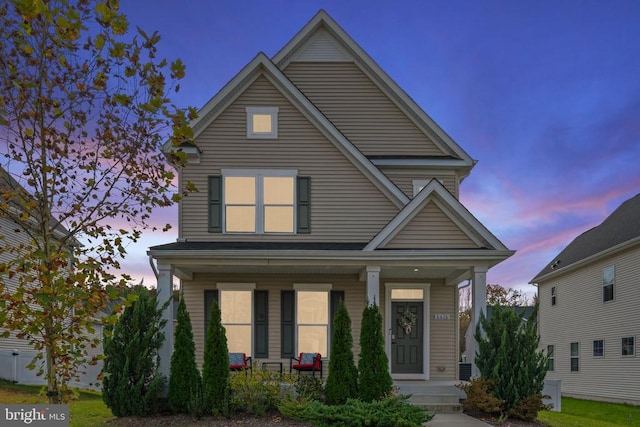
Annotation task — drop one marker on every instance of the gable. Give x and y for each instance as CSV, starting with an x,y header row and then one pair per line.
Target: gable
x,y
322,47
431,228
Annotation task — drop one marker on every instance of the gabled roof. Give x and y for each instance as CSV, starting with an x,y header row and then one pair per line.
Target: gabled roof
x,y
618,230
262,66
459,214
323,21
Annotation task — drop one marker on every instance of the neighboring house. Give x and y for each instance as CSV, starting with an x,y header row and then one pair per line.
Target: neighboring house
x,y
589,320
321,180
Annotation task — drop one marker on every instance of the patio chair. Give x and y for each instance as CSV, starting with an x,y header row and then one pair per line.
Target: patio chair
x,y
240,362
310,362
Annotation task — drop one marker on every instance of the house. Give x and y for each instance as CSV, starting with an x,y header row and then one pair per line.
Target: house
x,y
589,318
321,180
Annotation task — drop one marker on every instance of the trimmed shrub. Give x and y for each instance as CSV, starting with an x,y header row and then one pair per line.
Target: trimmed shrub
x,y
342,381
184,377
480,397
260,392
374,379
132,383
215,369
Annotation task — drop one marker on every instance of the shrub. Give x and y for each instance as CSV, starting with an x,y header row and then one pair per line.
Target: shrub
x,y
309,387
528,407
259,392
132,383
480,397
184,378
392,411
215,369
374,380
342,381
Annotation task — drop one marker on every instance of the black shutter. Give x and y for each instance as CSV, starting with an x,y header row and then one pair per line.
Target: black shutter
x,y
303,204
261,323
335,298
288,323
215,204
209,298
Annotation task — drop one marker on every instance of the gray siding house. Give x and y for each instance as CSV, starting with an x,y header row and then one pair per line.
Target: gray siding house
x,y
589,319
321,180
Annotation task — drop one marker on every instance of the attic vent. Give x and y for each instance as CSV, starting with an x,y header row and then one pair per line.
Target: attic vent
x,y
321,48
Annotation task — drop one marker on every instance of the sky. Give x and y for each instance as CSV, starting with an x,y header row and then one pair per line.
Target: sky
x,y
544,94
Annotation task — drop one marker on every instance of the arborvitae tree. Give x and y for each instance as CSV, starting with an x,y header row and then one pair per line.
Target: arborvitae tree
x,y
184,378
132,383
342,381
373,365
215,370
508,355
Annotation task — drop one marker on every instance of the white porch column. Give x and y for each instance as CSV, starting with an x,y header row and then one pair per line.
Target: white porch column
x,y
373,284
165,292
479,304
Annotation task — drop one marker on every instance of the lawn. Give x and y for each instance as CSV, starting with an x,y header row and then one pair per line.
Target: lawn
x,y
588,413
88,410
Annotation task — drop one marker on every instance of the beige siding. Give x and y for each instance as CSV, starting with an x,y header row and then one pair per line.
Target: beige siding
x,y
581,316
404,180
359,109
431,229
340,193
443,333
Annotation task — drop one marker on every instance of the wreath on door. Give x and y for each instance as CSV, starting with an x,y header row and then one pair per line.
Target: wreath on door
x,y
407,320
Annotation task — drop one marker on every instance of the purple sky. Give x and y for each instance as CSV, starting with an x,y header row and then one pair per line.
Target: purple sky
x,y
544,94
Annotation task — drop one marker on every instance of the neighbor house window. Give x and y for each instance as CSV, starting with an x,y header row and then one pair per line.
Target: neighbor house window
x,y
628,346
553,295
237,316
259,201
575,357
608,280
312,319
262,122
598,348
551,358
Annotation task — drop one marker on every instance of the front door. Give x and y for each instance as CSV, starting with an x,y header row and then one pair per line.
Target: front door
x,y
407,337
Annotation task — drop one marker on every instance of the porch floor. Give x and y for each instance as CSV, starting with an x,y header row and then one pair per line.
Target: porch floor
x,y
437,396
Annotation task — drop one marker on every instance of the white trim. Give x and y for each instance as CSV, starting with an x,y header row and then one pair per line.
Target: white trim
x,y
419,184
426,339
270,111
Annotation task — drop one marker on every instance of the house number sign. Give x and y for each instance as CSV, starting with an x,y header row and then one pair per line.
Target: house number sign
x,y
442,316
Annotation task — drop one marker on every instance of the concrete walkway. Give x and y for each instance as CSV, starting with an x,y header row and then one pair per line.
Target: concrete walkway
x,y
457,419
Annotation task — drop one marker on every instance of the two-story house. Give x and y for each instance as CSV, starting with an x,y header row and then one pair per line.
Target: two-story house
x,y
589,319
321,180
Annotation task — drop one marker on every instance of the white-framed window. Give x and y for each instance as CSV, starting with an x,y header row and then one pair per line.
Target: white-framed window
x,y
262,122
598,348
553,295
608,281
312,318
236,303
575,357
259,201
628,346
552,360
419,184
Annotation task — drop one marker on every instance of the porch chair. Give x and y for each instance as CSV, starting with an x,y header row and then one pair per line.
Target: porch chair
x,y
240,362
311,362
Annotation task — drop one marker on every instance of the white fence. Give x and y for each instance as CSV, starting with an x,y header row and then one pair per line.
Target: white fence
x,y
13,367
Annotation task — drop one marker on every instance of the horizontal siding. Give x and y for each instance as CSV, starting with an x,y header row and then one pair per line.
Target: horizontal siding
x,y
340,193
359,109
581,316
443,333
404,180
431,229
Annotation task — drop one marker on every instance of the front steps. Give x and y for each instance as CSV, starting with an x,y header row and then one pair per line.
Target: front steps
x,y
441,397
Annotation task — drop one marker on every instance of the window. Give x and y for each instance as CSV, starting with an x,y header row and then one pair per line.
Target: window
x,y
628,346
551,358
237,319
553,295
575,357
598,348
262,122
312,319
608,280
259,202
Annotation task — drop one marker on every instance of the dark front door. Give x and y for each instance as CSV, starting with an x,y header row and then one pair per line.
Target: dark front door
x,y
407,342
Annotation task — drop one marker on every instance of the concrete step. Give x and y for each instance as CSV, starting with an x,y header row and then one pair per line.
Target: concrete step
x,y
442,408
434,398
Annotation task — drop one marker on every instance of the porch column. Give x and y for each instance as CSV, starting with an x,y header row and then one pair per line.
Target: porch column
x,y
165,292
479,304
373,284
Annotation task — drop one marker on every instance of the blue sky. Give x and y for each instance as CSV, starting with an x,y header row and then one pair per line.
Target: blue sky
x,y
544,94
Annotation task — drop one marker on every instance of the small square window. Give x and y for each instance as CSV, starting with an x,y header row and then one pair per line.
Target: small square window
x,y
628,346
262,122
553,295
598,348
575,357
608,281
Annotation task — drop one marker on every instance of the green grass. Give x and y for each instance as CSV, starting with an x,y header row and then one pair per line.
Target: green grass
x,y
588,413
87,411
